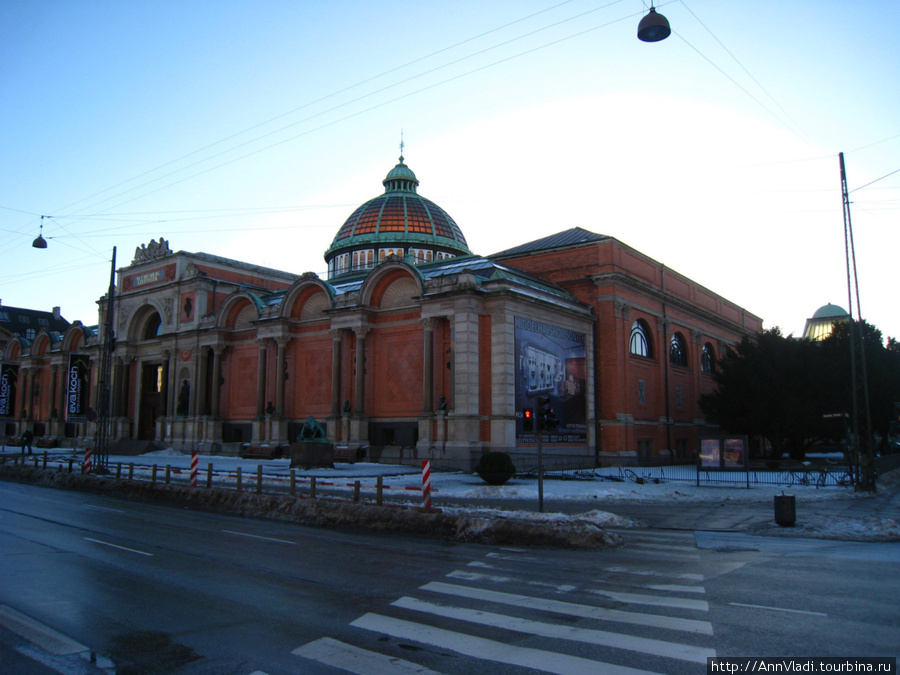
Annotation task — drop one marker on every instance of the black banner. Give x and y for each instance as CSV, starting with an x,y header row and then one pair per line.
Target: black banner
x,y
9,375
78,389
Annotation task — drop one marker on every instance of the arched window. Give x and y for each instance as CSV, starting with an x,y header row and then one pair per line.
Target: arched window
x,y
640,339
708,359
678,351
151,329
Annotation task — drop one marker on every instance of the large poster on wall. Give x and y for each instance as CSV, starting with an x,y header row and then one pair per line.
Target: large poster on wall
x,y
551,361
78,389
9,374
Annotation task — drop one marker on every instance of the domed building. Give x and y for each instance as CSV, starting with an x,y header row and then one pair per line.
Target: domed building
x,y
821,325
399,222
412,348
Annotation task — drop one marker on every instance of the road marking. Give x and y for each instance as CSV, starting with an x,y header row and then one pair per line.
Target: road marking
x,y
666,547
103,508
654,573
256,536
572,609
677,588
38,634
654,600
474,576
518,558
644,552
673,650
778,609
355,660
121,548
489,650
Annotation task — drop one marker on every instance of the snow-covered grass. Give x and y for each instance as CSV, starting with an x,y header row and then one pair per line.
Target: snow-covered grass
x,y
459,493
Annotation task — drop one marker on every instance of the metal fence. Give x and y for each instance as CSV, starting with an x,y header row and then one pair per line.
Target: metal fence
x,y
262,480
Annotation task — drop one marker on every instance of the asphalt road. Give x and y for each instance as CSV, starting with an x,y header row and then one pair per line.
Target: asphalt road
x,y
91,584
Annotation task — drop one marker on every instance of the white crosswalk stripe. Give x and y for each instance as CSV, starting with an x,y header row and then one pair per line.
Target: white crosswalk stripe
x,y
490,650
496,605
572,609
355,660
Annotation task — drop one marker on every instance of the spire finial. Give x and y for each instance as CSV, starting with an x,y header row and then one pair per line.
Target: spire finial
x,y
402,144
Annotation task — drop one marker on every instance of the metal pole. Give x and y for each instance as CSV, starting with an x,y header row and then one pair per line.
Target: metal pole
x,y
540,459
859,384
101,435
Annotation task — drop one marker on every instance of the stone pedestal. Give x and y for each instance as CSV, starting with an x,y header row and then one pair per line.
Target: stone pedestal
x,y
312,454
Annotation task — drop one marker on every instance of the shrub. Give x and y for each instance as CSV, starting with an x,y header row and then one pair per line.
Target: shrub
x,y
495,468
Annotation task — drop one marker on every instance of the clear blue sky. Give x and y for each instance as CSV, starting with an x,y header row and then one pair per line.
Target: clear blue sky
x,y
252,130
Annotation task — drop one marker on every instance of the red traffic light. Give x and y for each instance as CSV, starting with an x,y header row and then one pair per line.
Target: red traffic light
x,y
528,420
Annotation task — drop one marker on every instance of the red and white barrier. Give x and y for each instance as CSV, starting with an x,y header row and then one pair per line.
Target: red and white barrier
x,y
195,459
426,484
88,462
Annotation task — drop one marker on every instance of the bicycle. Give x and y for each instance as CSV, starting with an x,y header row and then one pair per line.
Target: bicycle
x,y
646,478
842,477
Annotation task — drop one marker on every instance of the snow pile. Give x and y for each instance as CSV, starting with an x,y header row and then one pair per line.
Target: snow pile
x,y
485,528
463,497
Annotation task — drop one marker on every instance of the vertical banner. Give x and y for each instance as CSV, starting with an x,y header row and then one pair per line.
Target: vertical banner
x,y
551,361
78,378
9,375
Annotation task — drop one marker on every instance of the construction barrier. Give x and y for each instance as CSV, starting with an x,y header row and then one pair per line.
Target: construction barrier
x,y
235,479
426,484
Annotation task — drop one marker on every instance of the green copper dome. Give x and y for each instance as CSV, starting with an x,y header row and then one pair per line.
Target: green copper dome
x,y
398,222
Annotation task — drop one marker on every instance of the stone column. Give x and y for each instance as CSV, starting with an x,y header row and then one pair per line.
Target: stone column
x,y
202,371
359,402
428,367
336,336
28,401
55,427
463,421
261,378
216,381
281,344
118,388
169,367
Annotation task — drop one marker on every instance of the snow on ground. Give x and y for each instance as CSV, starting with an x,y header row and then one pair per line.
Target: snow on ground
x,y
591,489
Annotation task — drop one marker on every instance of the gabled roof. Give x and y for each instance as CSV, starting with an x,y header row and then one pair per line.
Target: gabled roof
x,y
571,237
19,321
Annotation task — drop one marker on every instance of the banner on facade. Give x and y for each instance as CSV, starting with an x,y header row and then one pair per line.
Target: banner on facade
x,y
78,389
9,376
551,361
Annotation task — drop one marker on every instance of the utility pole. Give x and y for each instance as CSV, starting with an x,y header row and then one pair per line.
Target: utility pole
x,y
101,435
859,382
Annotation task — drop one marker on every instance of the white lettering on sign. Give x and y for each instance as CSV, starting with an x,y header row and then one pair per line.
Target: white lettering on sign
x,y
5,395
148,278
74,390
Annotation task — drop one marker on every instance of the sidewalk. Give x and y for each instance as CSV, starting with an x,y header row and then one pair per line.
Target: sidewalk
x,y
830,513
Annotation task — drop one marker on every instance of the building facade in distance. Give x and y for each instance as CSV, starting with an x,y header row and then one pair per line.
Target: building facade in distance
x,y
412,348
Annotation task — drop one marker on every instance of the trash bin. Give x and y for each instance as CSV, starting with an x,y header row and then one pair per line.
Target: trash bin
x,y
785,510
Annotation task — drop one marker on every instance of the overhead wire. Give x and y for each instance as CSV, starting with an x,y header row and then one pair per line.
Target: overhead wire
x,y
357,99
383,89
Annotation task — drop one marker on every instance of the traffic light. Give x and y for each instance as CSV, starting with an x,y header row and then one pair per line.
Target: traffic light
x,y
546,418
528,419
